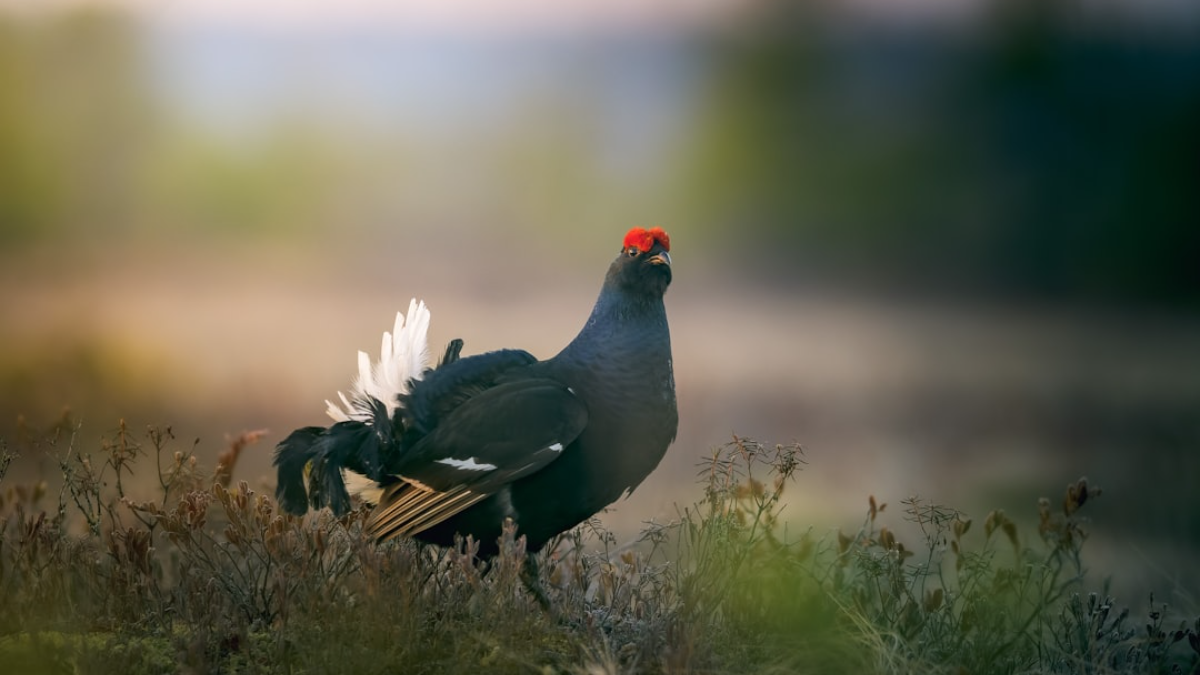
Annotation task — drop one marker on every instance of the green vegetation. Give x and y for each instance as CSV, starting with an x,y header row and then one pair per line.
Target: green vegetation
x,y
206,576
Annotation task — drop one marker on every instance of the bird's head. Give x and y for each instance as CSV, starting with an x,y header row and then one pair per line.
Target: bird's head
x,y
644,264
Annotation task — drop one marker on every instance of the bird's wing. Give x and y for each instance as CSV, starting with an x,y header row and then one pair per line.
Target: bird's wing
x,y
406,508
494,438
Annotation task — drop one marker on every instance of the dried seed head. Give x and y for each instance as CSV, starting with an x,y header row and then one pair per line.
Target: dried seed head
x,y
961,526
844,541
1077,495
933,599
887,540
990,523
1010,531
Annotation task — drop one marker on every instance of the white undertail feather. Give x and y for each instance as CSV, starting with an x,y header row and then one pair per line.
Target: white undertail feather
x,y
361,486
403,356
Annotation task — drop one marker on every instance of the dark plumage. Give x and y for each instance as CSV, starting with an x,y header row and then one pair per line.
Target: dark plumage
x,y
459,448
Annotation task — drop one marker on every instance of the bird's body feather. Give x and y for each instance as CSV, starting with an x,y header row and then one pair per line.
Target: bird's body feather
x,y
458,448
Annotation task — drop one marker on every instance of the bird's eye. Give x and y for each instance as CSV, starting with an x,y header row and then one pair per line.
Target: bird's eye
x,y
632,251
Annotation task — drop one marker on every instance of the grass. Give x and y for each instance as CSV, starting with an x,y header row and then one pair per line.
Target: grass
x,y
204,575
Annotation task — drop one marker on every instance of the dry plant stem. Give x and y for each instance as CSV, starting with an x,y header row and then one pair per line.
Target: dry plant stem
x,y
208,576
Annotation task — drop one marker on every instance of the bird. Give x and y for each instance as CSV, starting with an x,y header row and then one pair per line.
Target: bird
x,y
465,445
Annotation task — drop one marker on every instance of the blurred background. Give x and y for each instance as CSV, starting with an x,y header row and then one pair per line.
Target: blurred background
x,y
951,247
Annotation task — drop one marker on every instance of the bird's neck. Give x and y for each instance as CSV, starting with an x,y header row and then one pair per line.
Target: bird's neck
x,y
622,323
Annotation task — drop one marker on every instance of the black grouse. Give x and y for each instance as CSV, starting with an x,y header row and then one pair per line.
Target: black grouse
x,y
459,448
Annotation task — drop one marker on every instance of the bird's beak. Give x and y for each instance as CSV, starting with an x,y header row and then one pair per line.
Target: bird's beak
x,y
660,258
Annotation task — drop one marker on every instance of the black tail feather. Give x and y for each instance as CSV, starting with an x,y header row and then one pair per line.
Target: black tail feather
x,y
453,352
291,456
346,445
360,447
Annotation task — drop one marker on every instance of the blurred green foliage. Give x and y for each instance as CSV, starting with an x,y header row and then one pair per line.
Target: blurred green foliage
x,y
1031,154
281,184
74,113
87,150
